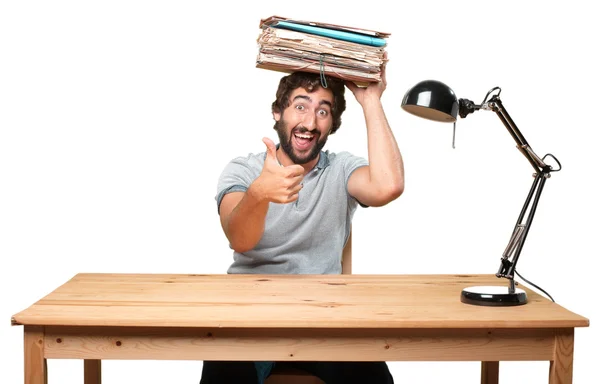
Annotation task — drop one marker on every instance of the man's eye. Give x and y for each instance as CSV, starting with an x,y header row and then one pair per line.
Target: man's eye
x,y
300,107
323,112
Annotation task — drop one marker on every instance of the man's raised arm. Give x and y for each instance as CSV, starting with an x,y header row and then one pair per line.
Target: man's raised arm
x,y
383,180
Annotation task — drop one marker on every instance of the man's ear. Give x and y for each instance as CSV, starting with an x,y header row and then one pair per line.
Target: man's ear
x,y
276,116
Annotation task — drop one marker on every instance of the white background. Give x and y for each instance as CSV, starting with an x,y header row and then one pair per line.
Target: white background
x,y
116,118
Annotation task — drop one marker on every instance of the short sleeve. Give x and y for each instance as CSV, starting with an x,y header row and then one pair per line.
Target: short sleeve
x,y
237,176
351,163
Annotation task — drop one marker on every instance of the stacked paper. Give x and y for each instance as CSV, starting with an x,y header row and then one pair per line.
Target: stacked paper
x,y
348,53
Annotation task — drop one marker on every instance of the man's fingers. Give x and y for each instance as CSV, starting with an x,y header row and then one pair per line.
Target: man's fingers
x,y
295,170
383,68
271,149
351,86
296,189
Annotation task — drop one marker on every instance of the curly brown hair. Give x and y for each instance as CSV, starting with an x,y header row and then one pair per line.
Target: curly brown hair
x,y
311,82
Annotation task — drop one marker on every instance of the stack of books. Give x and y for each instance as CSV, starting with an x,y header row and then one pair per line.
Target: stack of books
x,y
348,53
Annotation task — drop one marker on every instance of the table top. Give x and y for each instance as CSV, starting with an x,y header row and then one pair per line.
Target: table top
x,y
286,301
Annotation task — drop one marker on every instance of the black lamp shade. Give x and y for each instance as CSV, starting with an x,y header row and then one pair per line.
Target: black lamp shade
x,y
431,100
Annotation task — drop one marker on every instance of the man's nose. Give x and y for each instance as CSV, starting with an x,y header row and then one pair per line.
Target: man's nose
x,y
310,121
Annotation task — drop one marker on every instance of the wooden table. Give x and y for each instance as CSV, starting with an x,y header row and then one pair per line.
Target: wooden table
x,y
290,317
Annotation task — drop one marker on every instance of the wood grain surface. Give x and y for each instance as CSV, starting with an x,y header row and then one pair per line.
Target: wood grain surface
x,y
286,301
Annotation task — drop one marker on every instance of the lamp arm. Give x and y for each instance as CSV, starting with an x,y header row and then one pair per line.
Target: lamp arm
x,y
495,104
467,107
508,262
542,173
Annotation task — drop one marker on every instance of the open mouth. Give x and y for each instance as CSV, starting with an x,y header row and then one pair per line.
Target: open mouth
x,y
304,140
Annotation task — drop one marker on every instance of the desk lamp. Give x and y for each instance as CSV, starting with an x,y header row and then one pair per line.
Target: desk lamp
x,y
436,101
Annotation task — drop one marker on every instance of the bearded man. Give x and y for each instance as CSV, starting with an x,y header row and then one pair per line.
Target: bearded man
x,y
289,209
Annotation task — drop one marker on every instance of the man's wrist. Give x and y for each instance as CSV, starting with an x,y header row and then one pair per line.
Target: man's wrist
x,y
255,192
372,101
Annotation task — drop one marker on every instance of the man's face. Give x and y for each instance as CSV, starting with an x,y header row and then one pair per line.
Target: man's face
x,y
305,124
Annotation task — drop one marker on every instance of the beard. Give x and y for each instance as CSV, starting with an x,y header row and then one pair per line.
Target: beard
x,y
285,141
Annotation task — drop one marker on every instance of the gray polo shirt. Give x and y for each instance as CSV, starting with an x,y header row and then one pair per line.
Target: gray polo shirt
x,y
308,235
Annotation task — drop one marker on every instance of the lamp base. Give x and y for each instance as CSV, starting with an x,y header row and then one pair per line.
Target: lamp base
x,y
493,296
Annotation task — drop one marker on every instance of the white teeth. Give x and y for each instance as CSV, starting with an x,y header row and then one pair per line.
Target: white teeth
x,y
303,136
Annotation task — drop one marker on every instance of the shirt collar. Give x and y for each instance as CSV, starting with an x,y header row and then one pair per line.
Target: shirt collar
x,y
323,160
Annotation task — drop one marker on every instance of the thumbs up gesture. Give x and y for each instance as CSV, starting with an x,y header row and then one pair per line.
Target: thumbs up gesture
x,y
276,183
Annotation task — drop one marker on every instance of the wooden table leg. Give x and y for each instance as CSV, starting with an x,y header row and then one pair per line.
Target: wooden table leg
x,y
36,371
561,368
489,372
92,372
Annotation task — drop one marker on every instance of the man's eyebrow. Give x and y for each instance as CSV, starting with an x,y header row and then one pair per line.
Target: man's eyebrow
x,y
326,102
307,98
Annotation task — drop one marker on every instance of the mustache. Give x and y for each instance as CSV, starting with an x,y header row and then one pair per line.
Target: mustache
x,y
300,129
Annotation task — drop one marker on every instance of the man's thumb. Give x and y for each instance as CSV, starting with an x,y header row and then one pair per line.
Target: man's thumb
x,y
271,149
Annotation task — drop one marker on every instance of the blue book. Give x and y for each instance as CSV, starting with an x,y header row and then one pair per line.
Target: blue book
x,y
333,33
